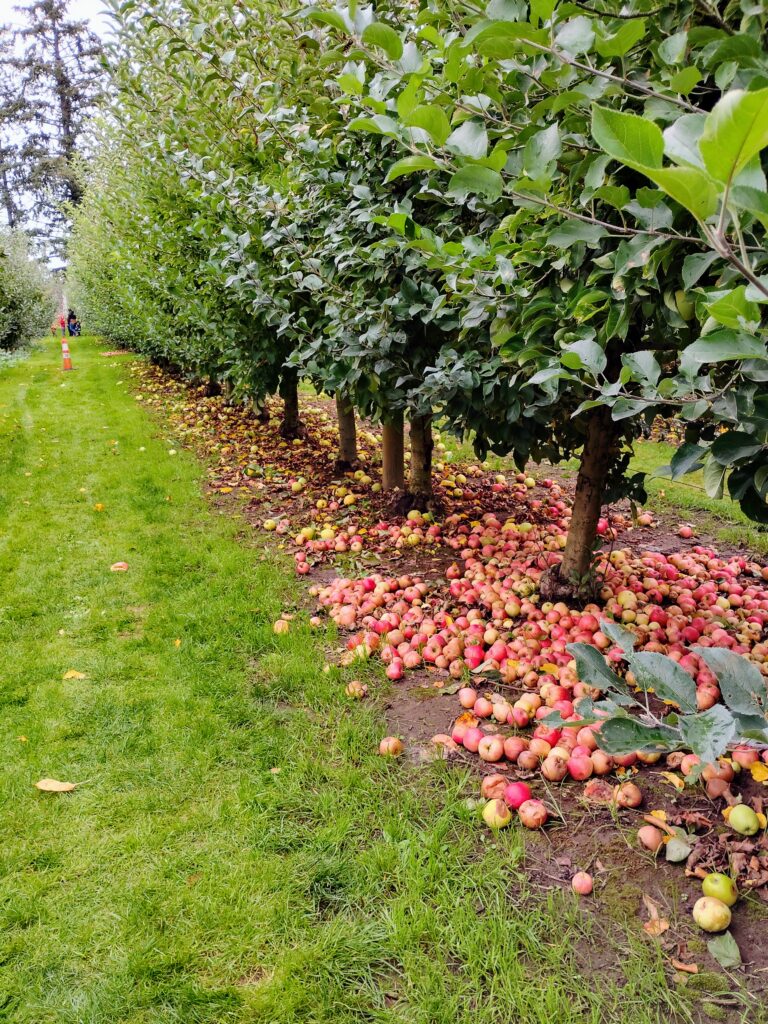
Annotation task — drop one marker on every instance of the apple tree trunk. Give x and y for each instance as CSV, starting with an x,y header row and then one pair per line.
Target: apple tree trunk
x,y
291,426
420,483
393,462
571,578
345,413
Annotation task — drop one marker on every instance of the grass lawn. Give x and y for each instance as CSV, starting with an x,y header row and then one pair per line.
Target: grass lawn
x,y
236,851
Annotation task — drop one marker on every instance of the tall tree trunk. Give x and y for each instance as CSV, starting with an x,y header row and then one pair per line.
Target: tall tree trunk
x,y
291,426
420,484
345,413
393,462
569,579
7,200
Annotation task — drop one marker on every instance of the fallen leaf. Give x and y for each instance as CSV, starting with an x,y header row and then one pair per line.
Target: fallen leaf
x,y
54,786
119,567
759,772
98,507
724,950
656,926
177,643
275,771
450,689
673,780
23,739
72,673
661,815
688,968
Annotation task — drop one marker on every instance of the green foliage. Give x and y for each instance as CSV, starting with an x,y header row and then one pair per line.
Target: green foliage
x,y
26,297
514,217
629,723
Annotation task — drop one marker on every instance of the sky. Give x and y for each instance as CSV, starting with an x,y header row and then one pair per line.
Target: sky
x,y
91,11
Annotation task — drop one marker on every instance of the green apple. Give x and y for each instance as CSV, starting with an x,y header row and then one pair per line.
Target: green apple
x,y
721,887
743,820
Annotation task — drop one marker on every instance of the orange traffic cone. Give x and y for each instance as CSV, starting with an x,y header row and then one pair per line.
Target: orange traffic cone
x,y
66,356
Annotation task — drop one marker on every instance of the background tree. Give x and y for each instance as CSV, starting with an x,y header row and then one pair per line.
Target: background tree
x,y
50,85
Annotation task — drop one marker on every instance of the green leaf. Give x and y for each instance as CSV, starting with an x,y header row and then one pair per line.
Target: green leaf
x,y
624,735
432,119
725,950
506,10
409,165
735,445
593,669
576,36
672,49
470,139
685,81
714,478
695,265
503,40
541,150
584,354
681,140
321,17
687,459
736,130
689,186
385,37
708,733
622,40
734,309
665,677
566,234
741,682
644,366
677,850
379,124
624,639
632,140
474,178
723,345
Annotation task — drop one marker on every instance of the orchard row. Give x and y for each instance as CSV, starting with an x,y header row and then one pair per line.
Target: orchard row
x,y
535,225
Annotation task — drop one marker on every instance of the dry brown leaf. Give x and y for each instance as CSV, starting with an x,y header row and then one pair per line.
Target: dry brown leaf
x,y
688,968
72,673
54,786
657,925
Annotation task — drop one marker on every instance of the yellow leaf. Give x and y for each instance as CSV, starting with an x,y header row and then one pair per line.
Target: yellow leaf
x,y
726,812
23,739
72,673
661,815
549,667
98,507
673,780
759,771
54,786
763,820
177,643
